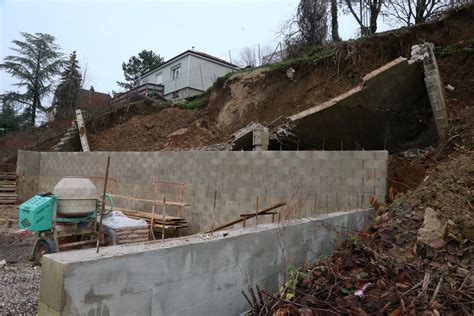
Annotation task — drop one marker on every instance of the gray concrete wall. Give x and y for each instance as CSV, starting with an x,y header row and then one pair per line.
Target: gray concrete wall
x,y
312,182
27,171
198,275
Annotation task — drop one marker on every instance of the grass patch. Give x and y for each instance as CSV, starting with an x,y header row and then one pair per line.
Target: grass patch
x,y
310,56
196,103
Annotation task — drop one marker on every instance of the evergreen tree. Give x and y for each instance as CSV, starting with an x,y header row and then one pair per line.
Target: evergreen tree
x,y
37,62
9,118
68,92
147,60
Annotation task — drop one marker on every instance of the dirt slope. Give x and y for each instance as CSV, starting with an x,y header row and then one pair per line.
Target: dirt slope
x,y
266,95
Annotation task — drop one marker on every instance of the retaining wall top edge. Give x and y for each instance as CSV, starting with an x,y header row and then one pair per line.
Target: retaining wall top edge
x,y
193,151
85,255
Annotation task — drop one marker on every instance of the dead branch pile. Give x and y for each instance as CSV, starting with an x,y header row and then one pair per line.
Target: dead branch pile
x,y
415,259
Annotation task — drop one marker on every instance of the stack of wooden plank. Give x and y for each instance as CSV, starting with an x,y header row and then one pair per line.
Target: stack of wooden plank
x,y
8,188
170,222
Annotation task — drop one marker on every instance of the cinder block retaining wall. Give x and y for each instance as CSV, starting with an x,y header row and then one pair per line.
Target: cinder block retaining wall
x,y
313,182
198,275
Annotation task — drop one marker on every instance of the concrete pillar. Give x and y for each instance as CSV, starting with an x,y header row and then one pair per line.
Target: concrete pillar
x,y
260,139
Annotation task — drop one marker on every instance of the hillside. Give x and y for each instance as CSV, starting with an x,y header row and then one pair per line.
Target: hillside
x,y
266,95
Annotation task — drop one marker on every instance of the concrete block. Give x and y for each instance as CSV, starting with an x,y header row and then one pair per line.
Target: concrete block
x,y
278,173
346,155
323,155
363,155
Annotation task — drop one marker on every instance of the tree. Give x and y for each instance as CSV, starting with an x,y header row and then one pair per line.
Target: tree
x,y
334,22
412,12
367,9
9,118
308,26
147,60
311,18
37,63
68,92
248,57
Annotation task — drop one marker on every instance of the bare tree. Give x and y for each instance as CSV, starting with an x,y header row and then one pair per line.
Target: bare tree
x,y
308,26
412,12
248,57
367,10
334,22
86,75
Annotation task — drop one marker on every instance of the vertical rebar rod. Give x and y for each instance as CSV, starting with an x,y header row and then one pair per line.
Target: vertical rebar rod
x,y
163,223
256,213
103,203
214,212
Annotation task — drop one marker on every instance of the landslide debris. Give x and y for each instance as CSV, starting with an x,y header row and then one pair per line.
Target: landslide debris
x,y
417,258
266,95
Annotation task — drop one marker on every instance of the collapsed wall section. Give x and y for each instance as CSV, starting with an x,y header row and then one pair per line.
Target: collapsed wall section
x,y
199,275
312,182
397,106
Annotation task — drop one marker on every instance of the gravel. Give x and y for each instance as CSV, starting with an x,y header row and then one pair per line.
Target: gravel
x,y
19,290
19,279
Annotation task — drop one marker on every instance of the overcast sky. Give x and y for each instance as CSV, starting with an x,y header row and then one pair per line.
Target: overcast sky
x,y
105,33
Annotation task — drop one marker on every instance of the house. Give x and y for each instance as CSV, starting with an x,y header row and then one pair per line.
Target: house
x,y
89,100
187,74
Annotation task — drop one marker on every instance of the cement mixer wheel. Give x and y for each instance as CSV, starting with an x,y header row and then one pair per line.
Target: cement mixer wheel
x,y
43,246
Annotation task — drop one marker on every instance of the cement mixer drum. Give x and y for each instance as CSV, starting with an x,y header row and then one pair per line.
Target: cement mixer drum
x,y
76,197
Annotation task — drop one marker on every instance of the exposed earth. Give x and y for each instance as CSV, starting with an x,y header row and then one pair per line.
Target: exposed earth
x,y
439,177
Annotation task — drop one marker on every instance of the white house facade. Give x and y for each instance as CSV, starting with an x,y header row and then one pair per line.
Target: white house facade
x,y
188,74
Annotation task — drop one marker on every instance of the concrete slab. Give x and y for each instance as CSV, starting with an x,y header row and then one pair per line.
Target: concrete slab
x,y
197,275
389,109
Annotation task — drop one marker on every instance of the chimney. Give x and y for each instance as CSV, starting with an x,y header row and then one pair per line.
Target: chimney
x,y
192,48
91,91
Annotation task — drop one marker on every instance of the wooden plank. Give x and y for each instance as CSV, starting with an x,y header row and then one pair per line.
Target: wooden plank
x,y
170,203
263,211
81,125
159,223
7,189
253,214
76,232
146,215
78,243
8,177
129,241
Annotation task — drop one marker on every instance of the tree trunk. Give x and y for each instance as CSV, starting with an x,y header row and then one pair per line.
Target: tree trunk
x,y
373,21
334,22
33,111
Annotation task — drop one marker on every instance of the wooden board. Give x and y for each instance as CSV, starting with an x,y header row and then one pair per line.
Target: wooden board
x,y
260,212
146,215
168,203
81,125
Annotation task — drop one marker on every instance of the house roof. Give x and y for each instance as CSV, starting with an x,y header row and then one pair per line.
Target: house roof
x,y
92,100
196,53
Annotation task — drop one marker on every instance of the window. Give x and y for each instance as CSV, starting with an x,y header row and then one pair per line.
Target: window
x,y
176,72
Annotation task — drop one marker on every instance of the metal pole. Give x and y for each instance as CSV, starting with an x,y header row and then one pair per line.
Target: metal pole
x,y
214,212
256,214
103,203
163,223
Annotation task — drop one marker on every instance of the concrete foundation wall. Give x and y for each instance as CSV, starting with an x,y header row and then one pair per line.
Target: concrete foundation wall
x,y
312,182
27,171
198,275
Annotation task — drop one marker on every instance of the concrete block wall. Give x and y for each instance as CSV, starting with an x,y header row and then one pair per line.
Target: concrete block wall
x,y
198,275
312,182
27,171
